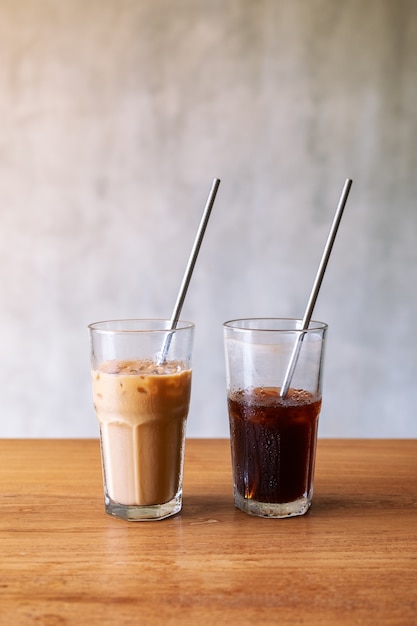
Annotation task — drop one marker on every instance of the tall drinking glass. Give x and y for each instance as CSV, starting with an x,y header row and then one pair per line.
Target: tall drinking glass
x,y
141,402
273,438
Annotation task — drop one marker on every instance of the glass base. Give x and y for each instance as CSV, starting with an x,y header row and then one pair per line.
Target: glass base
x,y
271,509
143,512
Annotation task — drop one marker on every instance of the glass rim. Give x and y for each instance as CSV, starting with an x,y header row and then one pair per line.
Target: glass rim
x,y
237,325
111,326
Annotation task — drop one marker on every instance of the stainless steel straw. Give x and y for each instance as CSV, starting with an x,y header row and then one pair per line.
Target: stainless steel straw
x,y
189,269
316,287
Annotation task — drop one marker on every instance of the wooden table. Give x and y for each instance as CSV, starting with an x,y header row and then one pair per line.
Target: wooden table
x,y
351,560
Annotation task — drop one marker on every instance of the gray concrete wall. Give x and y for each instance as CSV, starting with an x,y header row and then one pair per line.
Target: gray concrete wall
x,y
115,117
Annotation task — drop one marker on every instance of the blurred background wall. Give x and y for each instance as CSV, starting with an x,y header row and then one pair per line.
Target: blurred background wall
x,y
115,117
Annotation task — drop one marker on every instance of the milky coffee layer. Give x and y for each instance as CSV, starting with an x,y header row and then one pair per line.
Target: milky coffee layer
x,y
142,409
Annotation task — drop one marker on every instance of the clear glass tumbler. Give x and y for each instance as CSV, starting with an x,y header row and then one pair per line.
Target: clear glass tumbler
x,y
273,436
141,375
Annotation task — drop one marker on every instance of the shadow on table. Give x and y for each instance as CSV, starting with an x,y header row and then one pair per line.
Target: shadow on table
x,y
207,508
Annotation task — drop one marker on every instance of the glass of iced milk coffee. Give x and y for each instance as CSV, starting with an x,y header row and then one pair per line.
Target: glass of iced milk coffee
x,y
141,375
273,435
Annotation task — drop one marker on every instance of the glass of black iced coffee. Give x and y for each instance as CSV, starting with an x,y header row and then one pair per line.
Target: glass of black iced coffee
x,y
273,435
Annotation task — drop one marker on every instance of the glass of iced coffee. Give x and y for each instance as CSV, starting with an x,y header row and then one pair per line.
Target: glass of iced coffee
x,y
273,435
141,375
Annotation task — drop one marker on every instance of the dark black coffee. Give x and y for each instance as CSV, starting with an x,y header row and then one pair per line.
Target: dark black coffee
x,y
273,443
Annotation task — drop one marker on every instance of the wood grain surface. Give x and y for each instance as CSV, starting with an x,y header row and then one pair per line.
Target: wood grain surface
x,y
351,560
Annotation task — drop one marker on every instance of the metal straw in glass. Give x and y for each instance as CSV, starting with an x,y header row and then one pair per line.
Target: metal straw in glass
x,y
316,287
189,269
